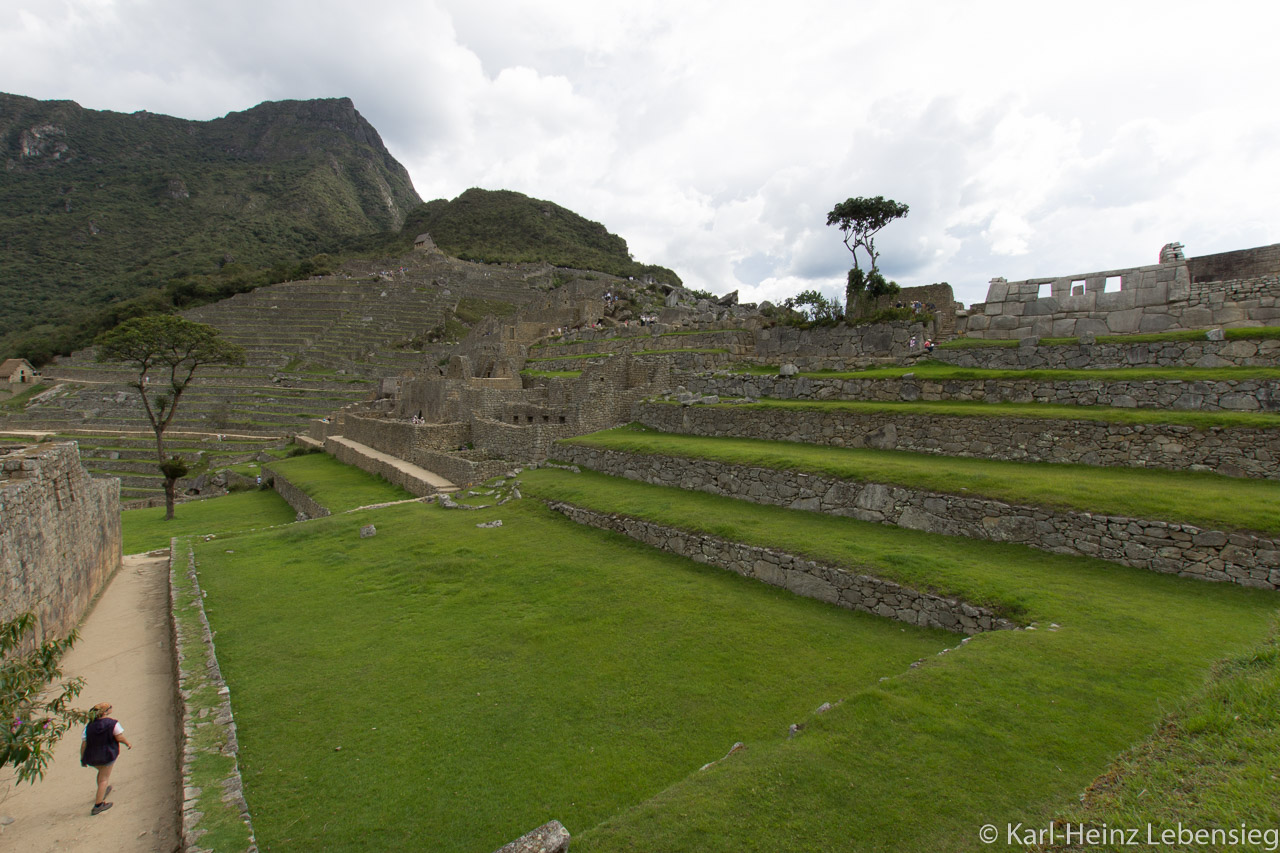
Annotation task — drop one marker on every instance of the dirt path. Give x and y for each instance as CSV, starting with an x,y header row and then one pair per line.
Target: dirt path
x,y
124,655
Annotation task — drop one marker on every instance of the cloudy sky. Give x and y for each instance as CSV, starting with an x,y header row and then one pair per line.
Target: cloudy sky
x,y
1029,139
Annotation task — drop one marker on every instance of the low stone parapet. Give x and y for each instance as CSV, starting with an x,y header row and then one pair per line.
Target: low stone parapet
x,y
1162,546
1252,395
1105,355
1235,452
811,579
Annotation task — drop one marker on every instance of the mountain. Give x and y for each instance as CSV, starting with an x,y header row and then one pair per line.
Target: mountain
x,y
500,226
98,207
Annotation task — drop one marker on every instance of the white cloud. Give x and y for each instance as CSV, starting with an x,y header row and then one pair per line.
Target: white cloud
x,y
1028,140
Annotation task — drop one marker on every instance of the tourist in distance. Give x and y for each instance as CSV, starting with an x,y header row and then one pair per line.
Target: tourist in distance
x,y
99,747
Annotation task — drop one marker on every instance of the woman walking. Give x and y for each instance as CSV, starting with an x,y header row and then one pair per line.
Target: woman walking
x,y
99,747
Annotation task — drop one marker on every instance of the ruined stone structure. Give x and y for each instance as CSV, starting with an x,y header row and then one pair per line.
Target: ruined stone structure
x,y
1231,289
59,535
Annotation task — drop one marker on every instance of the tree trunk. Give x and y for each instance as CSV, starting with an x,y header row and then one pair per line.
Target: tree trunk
x,y
169,488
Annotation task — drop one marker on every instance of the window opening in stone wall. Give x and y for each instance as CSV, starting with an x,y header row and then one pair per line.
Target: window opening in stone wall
x,y
515,419
1077,287
562,419
1045,290
1111,284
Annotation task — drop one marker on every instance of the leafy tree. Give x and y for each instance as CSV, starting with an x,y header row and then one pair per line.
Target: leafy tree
x,y
816,307
860,219
33,717
175,348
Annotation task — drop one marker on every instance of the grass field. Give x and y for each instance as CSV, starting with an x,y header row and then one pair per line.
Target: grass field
x,y
965,409
335,486
1010,728
482,681
1208,500
146,529
938,371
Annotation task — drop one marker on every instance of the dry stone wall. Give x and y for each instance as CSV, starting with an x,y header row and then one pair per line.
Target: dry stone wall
x,y
1096,356
838,347
302,503
1233,452
832,584
1151,298
1167,547
60,535
1203,395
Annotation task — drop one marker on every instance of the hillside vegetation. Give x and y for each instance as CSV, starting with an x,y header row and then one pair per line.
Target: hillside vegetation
x,y
500,226
99,207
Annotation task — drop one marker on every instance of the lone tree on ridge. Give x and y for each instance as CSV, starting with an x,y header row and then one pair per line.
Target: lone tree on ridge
x,y
860,219
174,348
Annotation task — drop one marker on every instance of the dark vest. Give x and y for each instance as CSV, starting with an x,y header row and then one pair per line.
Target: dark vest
x,y
100,742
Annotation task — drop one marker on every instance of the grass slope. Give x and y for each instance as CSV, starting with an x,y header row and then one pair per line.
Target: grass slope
x,y
146,529
480,682
965,409
1208,500
335,486
1007,729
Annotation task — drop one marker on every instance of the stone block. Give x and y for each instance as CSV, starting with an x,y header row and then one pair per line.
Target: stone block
x,y
1124,322
1155,294
1155,323
1120,300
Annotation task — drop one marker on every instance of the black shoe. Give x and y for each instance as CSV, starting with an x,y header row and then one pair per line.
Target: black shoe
x,y
100,808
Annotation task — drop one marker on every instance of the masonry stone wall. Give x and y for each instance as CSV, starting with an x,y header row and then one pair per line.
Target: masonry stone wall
x,y
1161,546
1238,264
1102,356
352,456
60,537
1204,395
837,347
295,497
1152,298
807,578
1234,452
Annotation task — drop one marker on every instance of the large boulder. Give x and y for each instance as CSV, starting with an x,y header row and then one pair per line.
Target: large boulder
x,y
549,838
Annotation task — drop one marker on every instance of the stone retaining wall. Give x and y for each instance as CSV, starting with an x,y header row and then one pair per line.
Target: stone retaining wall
x,y
352,456
205,701
832,584
1243,353
60,539
1160,546
1204,395
301,502
1235,452
838,347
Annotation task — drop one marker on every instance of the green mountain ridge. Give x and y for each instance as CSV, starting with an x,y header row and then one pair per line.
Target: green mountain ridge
x,y
97,206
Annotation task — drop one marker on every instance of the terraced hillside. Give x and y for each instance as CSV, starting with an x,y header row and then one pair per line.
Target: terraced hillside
x,y
1103,536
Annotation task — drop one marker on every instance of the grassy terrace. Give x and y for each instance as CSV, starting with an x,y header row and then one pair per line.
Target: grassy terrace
x,y
552,374
336,486
1244,334
616,338
940,372
967,409
1010,728
1208,500
146,529
483,681
636,352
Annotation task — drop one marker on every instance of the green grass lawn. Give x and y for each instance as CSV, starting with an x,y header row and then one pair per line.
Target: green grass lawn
x,y
1249,333
1207,500
963,408
1010,728
480,682
146,529
939,371
336,486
